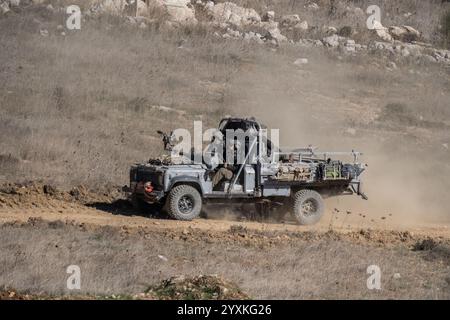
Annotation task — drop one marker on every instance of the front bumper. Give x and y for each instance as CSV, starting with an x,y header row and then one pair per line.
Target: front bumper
x,y
153,197
137,190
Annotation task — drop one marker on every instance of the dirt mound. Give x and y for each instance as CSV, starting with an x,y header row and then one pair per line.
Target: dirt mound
x,y
10,294
202,287
37,194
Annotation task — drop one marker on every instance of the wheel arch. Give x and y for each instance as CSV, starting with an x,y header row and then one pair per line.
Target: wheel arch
x,y
186,180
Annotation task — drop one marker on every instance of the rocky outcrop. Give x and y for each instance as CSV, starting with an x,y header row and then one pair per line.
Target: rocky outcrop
x,y
230,14
180,11
381,31
404,33
235,22
289,20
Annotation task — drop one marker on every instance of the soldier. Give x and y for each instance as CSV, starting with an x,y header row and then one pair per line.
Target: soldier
x,y
226,172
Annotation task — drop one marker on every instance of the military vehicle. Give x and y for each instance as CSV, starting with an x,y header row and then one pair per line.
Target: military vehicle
x,y
294,180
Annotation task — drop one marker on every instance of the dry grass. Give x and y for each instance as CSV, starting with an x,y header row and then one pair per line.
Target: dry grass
x,y
33,259
84,102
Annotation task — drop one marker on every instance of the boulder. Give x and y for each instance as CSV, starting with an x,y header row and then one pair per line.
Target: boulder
x,y
381,31
268,16
253,36
397,32
412,31
232,14
141,8
180,12
43,32
273,32
313,6
301,61
349,46
329,30
301,26
4,7
289,20
404,33
331,41
234,33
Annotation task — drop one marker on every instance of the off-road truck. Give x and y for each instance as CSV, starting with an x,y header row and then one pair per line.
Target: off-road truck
x,y
293,180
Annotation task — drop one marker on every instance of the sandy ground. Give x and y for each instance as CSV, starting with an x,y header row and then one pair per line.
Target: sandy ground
x,y
342,222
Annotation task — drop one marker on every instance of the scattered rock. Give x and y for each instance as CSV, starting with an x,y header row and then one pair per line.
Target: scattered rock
x,y
350,46
253,36
329,30
397,32
180,12
301,26
4,7
268,16
301,61
404,33
289,20
163,258
331,41
232,14
273,32
313,6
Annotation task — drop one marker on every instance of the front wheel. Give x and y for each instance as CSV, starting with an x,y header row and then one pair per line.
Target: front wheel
x,y
184,203
308,207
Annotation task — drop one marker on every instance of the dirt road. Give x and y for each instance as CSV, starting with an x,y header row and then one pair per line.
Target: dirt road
x,y
35,201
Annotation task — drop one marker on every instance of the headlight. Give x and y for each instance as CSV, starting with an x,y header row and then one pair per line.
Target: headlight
x,y
148,187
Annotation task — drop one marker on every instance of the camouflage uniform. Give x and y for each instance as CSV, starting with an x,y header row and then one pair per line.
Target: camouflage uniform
x,y
225,172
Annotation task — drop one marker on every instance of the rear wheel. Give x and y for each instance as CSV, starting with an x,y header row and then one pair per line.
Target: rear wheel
x,y
308,207
184,203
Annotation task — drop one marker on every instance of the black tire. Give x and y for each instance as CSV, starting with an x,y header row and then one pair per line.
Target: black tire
x,y
308,207
184,203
